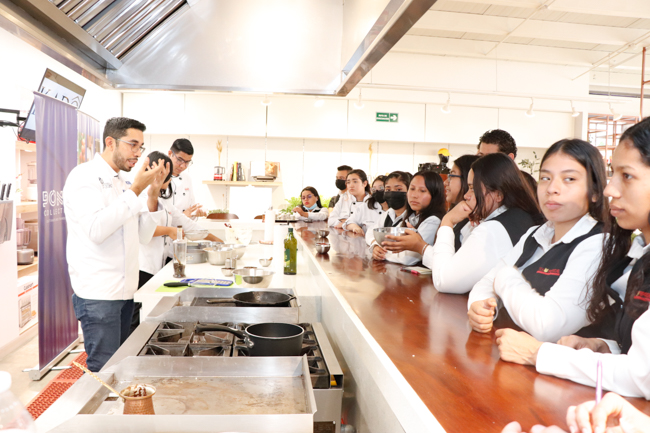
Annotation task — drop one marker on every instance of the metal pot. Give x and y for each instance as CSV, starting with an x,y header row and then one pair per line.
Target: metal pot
x,y
266,339
256,299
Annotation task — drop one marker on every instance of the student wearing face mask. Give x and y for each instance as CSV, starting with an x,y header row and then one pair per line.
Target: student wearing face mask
x,y
424,204
311,206
341,176
358,192
367,216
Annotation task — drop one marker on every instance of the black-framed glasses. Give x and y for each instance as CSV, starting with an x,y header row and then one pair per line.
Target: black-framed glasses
x,y
181,161
135,147
450,176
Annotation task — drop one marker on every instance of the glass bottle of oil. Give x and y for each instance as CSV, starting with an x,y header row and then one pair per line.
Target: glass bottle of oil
x,y
290,253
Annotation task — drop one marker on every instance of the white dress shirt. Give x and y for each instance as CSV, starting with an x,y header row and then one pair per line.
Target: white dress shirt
x,y
629,374
482,247
427,231
562,310
183,196
106,222
153,254
365,217
344,208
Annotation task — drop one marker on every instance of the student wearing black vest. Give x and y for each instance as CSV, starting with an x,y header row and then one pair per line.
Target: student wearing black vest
x,y
425,207
621,288
456,187
500,208
311,206
544,281
368,215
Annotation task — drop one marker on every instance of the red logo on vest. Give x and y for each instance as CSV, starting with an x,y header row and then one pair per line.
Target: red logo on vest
x,y
642,296
547,271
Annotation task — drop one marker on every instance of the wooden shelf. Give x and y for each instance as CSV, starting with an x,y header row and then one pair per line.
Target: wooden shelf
x,y
26,206
28,269
22,145
241,183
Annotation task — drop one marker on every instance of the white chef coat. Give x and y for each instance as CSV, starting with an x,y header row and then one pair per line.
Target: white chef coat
x,y
427,230
365,217
629,374
345,207
106,221
562,310
183,195
152,255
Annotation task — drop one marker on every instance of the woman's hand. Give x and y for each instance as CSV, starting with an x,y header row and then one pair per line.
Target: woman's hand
x,y
194,209
409,241
481,315
517,347
514,427
354,228
456,215
378,253
300,211
577,343
171,232
613,414
339,224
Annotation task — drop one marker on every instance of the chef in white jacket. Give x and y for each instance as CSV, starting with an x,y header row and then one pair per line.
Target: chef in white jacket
x,y
181,154
106,222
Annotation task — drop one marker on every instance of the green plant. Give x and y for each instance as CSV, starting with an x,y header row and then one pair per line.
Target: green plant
x,y
325,201
531,164
218,211
292,202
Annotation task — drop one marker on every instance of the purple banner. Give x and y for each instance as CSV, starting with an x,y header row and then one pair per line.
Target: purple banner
x,y
56,141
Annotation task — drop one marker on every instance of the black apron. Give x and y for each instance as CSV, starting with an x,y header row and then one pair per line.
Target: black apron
x,y
634,305
545,272
457,228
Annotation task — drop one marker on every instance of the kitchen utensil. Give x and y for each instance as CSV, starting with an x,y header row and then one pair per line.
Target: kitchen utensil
x,y
231,263
180,258
322,247
196,235
256,299
381,232
8,191
323,233
218,254
194,282
253,278
138,399
2,191
266,262
219,172
266,339
227,271
24,255
239,250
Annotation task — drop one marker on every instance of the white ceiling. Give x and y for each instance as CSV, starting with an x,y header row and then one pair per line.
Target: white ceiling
x,y
581,33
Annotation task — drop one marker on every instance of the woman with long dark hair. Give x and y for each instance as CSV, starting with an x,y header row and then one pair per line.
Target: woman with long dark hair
x,y
456,187
424,207
358,191
621,289
368,215
311,206
544,280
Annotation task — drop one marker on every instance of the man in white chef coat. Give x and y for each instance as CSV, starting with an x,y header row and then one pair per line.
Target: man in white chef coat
x,y
182,198
106,221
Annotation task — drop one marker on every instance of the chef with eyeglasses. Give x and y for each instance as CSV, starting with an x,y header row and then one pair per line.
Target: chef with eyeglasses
x,y
182,197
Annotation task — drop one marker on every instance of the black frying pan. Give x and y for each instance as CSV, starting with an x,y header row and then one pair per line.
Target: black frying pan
x,y
256,299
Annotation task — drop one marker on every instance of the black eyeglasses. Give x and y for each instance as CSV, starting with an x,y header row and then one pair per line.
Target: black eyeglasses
x,y
181,161
449,176
135,147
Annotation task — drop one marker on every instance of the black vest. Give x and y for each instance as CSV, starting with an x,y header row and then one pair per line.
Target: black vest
x,y
516,222
457,228
545,272
634,305
388,222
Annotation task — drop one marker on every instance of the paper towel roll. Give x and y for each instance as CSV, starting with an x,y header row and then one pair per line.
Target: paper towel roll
x,y
269,224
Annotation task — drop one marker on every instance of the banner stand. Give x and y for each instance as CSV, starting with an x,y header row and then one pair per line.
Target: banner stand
x,y
37,374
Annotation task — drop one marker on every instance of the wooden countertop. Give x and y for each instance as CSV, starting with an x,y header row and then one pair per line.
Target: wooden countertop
x,y
456,372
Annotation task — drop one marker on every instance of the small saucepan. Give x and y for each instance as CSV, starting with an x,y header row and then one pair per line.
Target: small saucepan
x,y
266,339
256,299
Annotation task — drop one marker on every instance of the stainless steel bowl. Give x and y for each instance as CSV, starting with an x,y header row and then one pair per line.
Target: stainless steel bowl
x,y
323,233
227,272
218,254
322,248
266,262
196,235
239,249
253,277
380,233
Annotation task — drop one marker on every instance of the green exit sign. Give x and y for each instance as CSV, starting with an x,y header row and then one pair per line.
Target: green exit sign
x,y
387,117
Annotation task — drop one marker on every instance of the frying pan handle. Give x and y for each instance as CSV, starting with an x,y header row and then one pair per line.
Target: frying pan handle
x,y
220,301
238,333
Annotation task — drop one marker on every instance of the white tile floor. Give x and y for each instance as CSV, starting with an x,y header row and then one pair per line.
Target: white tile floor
x,y
27,357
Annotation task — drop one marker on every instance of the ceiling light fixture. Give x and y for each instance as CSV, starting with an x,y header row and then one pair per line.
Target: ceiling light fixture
x,y
447,107
266,101
359,103
574,112
615,116
530,112
319,102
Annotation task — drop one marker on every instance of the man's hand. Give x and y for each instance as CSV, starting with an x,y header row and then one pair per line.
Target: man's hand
x,y
145,176
172,232
409,241
456,215
481,315
517,347
378,253
577,343
194,210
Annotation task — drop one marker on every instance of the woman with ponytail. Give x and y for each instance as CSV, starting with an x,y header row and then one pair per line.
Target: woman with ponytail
x,y
621,289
